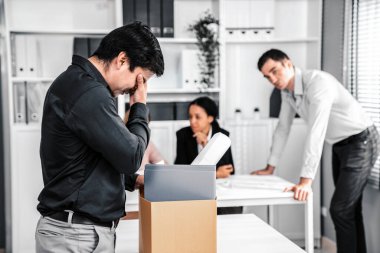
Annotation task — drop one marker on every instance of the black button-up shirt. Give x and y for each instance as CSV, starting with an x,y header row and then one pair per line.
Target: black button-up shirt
x,y
88,155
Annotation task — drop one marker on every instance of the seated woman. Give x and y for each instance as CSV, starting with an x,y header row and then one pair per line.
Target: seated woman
x,y
191,140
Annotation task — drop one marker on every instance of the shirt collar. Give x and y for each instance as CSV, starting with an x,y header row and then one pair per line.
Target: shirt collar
x,y
298,85
89,68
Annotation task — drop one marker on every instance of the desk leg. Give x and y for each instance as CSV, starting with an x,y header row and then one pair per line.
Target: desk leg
x,y
270,215
309,229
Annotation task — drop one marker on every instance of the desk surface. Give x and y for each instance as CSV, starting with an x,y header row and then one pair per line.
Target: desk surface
x,y
237,188
258,187
235,233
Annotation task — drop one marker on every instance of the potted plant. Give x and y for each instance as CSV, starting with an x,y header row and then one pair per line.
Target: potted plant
x,y
206,33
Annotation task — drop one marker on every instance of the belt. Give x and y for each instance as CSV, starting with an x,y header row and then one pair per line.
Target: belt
x,y
355,137
80,219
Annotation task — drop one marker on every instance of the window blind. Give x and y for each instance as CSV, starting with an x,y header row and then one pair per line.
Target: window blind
x,y
364,63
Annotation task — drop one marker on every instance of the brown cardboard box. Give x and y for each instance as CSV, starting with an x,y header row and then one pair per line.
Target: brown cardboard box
x,y
177,226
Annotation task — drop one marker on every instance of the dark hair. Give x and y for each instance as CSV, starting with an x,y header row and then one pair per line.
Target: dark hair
x,y
209,106
274,54
138,43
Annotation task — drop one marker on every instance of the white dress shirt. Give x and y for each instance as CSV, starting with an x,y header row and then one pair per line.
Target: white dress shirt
x,y
331,114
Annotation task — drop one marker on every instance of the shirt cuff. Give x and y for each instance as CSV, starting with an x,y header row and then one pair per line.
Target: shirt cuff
x,y
309,168
139,110
273,160
130,181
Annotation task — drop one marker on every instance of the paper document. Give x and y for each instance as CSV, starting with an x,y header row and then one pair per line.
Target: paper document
x,y
214,150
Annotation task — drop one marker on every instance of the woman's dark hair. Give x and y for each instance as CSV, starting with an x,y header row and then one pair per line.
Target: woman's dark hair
x,y
274,54
138,43
209,106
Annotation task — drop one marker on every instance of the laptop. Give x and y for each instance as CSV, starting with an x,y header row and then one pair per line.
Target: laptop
x,y
179,182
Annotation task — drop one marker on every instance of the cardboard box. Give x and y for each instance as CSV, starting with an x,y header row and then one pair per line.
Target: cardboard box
x,y
177,226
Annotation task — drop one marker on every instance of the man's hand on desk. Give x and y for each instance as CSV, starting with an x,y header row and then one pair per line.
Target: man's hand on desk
x,y
224,171
301,190
267,171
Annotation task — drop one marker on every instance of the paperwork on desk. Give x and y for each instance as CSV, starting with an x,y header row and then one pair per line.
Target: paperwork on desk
x,y
253,182
187,182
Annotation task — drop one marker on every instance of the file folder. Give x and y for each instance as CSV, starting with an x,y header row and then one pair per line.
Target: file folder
x,y
20,56
141,14
19,102
167,18
81,46
128,11
33,57
94,44
36,93
154,17
191,73
179,182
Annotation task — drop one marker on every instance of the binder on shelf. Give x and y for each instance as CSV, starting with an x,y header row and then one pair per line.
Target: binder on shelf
x,y
93,45
35,93
191,73
161,110
81,46
154,17
19,102
254,22
128,11
181,112
33,57
20,56
141,14
167,15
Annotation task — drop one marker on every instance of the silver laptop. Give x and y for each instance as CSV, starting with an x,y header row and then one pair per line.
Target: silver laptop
x,y
179,182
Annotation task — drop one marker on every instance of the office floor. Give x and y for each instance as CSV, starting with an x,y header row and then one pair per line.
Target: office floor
x,y
327,246
323,250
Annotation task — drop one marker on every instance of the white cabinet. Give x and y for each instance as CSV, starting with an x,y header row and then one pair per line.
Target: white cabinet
x,y
26,185
251,141
296,31
163,134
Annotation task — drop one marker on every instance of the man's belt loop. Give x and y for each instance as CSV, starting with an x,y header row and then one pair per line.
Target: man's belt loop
x,y
70,217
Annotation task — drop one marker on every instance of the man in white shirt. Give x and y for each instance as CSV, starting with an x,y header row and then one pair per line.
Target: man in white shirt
x,y
334,116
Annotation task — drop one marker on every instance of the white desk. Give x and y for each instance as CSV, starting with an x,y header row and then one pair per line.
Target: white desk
x,y
235,233
247,190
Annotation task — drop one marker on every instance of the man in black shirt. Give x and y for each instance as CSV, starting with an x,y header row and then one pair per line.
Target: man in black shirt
x,y
88,156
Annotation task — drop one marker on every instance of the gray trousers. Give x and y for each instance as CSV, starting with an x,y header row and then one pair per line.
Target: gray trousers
x,y
61,237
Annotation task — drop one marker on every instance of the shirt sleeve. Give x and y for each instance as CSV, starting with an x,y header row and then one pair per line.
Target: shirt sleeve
x,y
95,120
320,96
281,132
154,155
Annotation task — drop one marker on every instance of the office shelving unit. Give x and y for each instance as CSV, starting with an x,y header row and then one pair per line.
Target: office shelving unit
x,y
54,24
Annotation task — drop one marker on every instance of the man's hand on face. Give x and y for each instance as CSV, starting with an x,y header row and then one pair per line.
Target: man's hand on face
x,y
138,94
